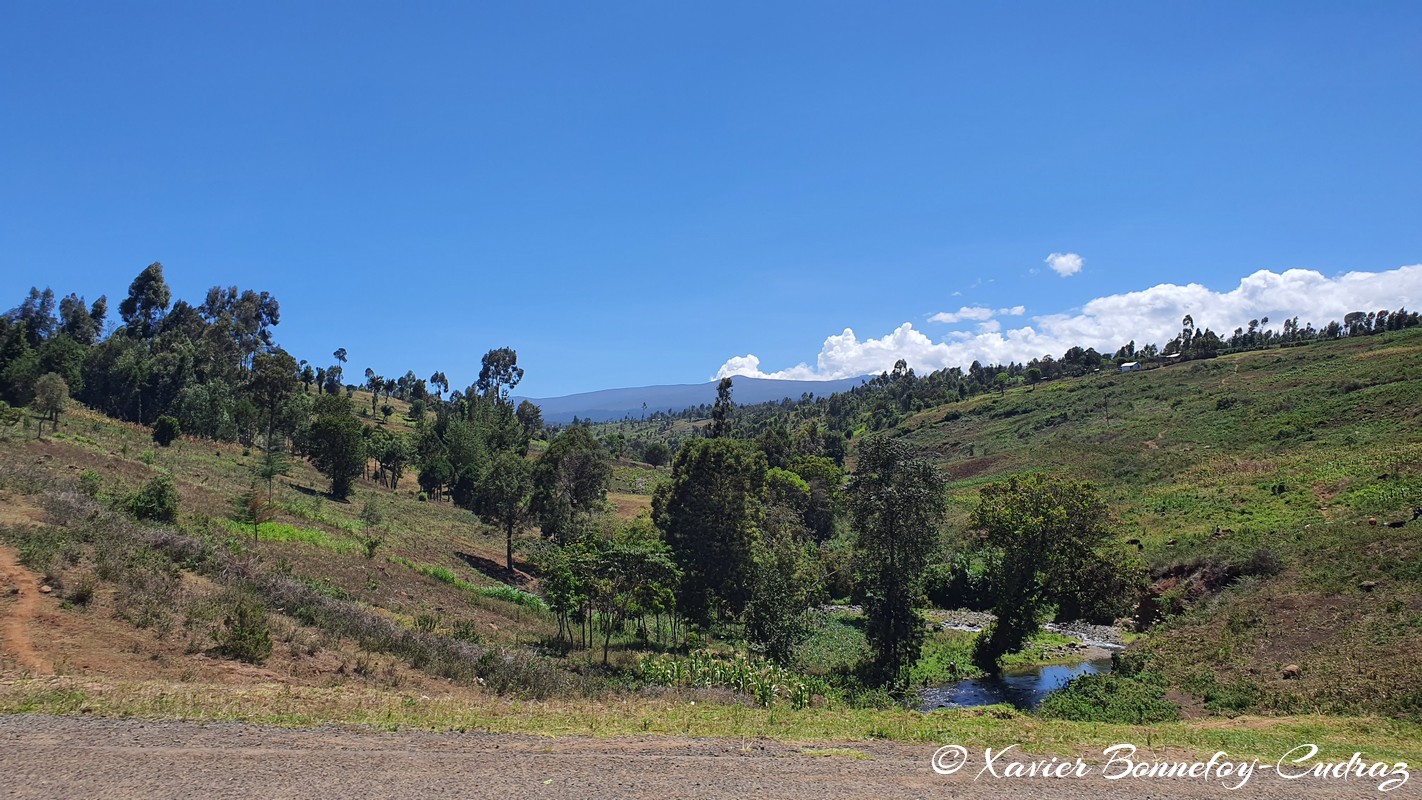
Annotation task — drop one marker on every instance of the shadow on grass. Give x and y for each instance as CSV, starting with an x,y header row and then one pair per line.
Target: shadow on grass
x,y
496,571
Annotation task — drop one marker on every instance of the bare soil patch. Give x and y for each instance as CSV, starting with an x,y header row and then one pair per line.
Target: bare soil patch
x,y
21,604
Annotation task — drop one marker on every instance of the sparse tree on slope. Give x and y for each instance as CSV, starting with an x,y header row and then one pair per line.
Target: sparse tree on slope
x,y
51,397
337,446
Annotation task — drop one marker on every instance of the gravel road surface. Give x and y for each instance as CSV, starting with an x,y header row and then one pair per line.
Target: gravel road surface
x,y
83,757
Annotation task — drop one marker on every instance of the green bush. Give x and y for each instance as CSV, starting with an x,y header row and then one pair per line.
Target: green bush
x,y
1108,697
166,430
244,633
157,500
90,483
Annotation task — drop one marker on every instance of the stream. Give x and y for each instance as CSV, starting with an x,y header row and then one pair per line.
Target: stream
x,y
1024,688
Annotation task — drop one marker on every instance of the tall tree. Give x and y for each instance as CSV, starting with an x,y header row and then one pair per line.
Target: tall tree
x,y
502,497
824,478
147,302
336,443
721,412
272,383
37,314
570,480
787,583
499,373
896,502
80,323
239,324
375,383
531,417
710,510
440,382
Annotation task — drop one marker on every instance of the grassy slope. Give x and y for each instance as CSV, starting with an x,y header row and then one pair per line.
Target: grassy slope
x,y
1292,451
312,537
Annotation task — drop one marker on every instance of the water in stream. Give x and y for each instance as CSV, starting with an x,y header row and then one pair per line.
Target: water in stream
x,y
1024,689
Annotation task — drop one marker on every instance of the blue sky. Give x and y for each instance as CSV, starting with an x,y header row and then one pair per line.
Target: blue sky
x,y
632,193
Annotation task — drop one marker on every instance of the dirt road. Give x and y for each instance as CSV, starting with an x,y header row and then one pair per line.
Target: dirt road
x,y
81,757
23,589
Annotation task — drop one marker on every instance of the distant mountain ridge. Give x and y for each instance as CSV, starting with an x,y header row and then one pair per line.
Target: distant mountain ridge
x,y
614,404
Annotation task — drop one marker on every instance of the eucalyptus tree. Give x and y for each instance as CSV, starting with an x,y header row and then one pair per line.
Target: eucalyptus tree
x,y
896,504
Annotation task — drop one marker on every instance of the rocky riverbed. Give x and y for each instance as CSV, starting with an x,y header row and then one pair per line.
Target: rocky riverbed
x,y
1108,638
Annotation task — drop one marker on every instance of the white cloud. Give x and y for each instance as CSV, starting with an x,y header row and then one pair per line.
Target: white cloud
x,y
1065,264
977,313
1106,323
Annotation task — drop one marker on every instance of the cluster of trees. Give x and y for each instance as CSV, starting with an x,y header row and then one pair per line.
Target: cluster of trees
x,y
731,540
1048,543
195,362
213,370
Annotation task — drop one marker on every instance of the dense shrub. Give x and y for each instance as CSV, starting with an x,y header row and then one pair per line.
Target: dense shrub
x,y
81,593
656,454
157,500
166,430
90,483
244,633
1131,700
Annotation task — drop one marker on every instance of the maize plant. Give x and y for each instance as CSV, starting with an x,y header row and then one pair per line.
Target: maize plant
x,y
763,680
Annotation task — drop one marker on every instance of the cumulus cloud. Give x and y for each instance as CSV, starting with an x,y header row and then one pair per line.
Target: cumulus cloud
x,y
1065,264
1106,323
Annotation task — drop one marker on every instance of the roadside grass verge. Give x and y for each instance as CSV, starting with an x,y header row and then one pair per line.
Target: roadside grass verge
x,y
677,715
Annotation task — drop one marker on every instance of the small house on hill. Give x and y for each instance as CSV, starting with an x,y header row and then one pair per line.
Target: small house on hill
x,y
1131,366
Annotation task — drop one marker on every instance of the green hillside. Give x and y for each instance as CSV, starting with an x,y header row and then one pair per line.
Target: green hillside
x,y
1285,463
1259,485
